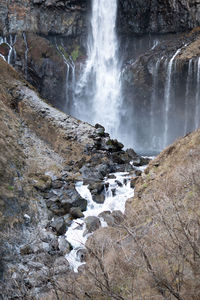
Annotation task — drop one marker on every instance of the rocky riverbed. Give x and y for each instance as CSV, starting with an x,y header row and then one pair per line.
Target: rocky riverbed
x,y
55,151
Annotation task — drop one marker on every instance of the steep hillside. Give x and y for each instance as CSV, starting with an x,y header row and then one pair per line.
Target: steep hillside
x,y
154,252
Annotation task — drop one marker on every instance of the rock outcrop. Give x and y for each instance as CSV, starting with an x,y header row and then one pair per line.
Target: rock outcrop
x,y
44,17
157,16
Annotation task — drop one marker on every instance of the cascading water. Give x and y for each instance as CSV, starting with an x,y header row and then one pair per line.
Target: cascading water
x,y
187,95
167,97
12,53
76,234
197,98
70,76
98,96
156,143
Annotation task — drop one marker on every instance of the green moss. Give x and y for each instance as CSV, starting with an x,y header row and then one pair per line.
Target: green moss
x,y
62,50
10,187
75,53
144,186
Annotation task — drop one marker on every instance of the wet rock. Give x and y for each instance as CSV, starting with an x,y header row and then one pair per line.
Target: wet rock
x,y
131,153
113,192
68,219
106,216
59,226
133,182
111,176
64,246
100,130
71,198
61,205
119,183
113,145
138,172
98,198
4,49
96,187
97,191
96,172
81,255
76,213
92,223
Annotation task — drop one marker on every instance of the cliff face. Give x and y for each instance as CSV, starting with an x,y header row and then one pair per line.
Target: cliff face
x,y
46,17
157,16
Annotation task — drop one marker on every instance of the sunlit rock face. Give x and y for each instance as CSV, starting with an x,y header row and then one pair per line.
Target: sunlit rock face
x,y
158,16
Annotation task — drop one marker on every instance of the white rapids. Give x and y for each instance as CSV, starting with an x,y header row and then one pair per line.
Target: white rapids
x,y
75,233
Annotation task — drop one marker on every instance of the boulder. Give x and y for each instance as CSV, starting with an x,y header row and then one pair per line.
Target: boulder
x,y
113,145
4,49
81,254
92,223
107,217
64,246
59,226
76,212
97,191
71,198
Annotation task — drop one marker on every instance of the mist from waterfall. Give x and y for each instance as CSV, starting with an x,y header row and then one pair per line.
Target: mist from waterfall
x,y
98,91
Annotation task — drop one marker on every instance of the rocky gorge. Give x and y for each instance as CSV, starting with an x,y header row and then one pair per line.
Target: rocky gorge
x,y
150,250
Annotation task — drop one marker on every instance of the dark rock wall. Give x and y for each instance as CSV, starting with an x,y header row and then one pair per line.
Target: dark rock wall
x,y
158,16
46,17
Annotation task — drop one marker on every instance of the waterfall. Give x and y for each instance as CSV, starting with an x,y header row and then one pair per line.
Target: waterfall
x,y
155,144
10,42
98,96
187,95
167,96
197,98
70,76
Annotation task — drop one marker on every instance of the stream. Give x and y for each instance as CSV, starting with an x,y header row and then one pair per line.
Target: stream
x,y
117,190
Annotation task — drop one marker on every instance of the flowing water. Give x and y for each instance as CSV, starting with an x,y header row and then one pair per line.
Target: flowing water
x,y
98,92
167,98
76,233
187,95
197,98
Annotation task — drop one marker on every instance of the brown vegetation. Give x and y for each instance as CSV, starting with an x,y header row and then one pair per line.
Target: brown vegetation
x,y
154,253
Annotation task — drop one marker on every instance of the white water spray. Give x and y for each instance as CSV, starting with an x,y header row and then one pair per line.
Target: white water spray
x,y
98,98
75,234
167,97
